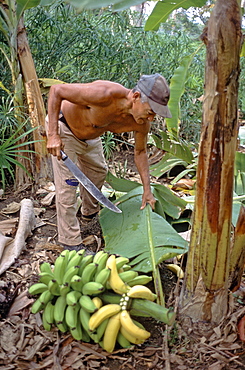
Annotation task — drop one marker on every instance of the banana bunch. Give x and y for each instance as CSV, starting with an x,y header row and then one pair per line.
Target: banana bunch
x,y
91,296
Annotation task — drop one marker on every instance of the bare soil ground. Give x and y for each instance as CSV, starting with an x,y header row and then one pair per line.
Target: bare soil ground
x,y
24,344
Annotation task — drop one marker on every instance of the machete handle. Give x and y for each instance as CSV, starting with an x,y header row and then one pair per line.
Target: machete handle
x,y
63,155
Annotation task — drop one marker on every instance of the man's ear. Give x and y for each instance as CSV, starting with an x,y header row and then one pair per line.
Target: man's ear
x,y
136,95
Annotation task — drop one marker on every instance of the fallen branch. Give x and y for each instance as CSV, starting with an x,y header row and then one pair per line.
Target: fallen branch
x,y
26,225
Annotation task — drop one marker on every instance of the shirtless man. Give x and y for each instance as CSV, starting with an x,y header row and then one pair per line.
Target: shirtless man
x,y
78,114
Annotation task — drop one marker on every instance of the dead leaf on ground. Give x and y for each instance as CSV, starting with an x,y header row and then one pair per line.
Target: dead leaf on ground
x,y
11,208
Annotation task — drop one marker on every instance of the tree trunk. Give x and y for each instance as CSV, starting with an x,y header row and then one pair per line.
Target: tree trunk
x,y
36,107
205,295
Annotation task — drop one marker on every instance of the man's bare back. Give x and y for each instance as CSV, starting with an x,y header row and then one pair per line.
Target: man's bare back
x,y
96,107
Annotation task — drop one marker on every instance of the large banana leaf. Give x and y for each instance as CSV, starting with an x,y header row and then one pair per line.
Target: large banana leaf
x,y
163,9
142,235
167,202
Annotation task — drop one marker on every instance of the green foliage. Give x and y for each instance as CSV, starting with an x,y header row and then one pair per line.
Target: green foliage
x,y
14,139
239,184
178,153
111,45
108,144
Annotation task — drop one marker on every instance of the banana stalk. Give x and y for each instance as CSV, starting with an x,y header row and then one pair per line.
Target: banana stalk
x,y
145,308
155,268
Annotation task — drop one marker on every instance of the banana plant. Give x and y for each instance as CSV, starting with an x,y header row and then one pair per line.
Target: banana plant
x,y
135,234
12,146
177,152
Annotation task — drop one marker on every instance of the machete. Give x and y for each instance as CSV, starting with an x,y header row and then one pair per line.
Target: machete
x,y
88,185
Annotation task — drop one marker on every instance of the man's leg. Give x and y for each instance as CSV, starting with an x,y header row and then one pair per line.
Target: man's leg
x,y
66,187
93,165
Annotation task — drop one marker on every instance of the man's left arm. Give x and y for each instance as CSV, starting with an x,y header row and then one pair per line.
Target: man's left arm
x,y
142,164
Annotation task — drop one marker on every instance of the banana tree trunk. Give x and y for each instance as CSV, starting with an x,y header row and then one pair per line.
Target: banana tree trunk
x,y
35,104
204,298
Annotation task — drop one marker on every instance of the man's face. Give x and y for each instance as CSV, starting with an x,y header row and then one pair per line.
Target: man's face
x,y
142,112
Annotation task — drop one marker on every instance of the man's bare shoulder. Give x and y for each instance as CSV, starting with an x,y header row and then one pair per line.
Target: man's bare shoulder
x,y
96,92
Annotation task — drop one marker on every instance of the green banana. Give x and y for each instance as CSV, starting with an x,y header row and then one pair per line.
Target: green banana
x,y
139,280
59,309
126,267
37,288
87,304
100,330
71,315
77,332
45,277
85,261
48,313
46,267
37,306
76,259
128,275
59,268
45,297
69,273
64,289
122,341
92,288
86,337
62,326
84,317
98,256
103,276
46,325
73,297
109,297
101,263
76,283
88,272
71,254
53,287
120,261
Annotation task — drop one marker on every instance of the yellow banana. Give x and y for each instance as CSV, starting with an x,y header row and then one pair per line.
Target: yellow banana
x,y
116,283
130,327
130,338
103,313
176,269
97,302
141,291
111,332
